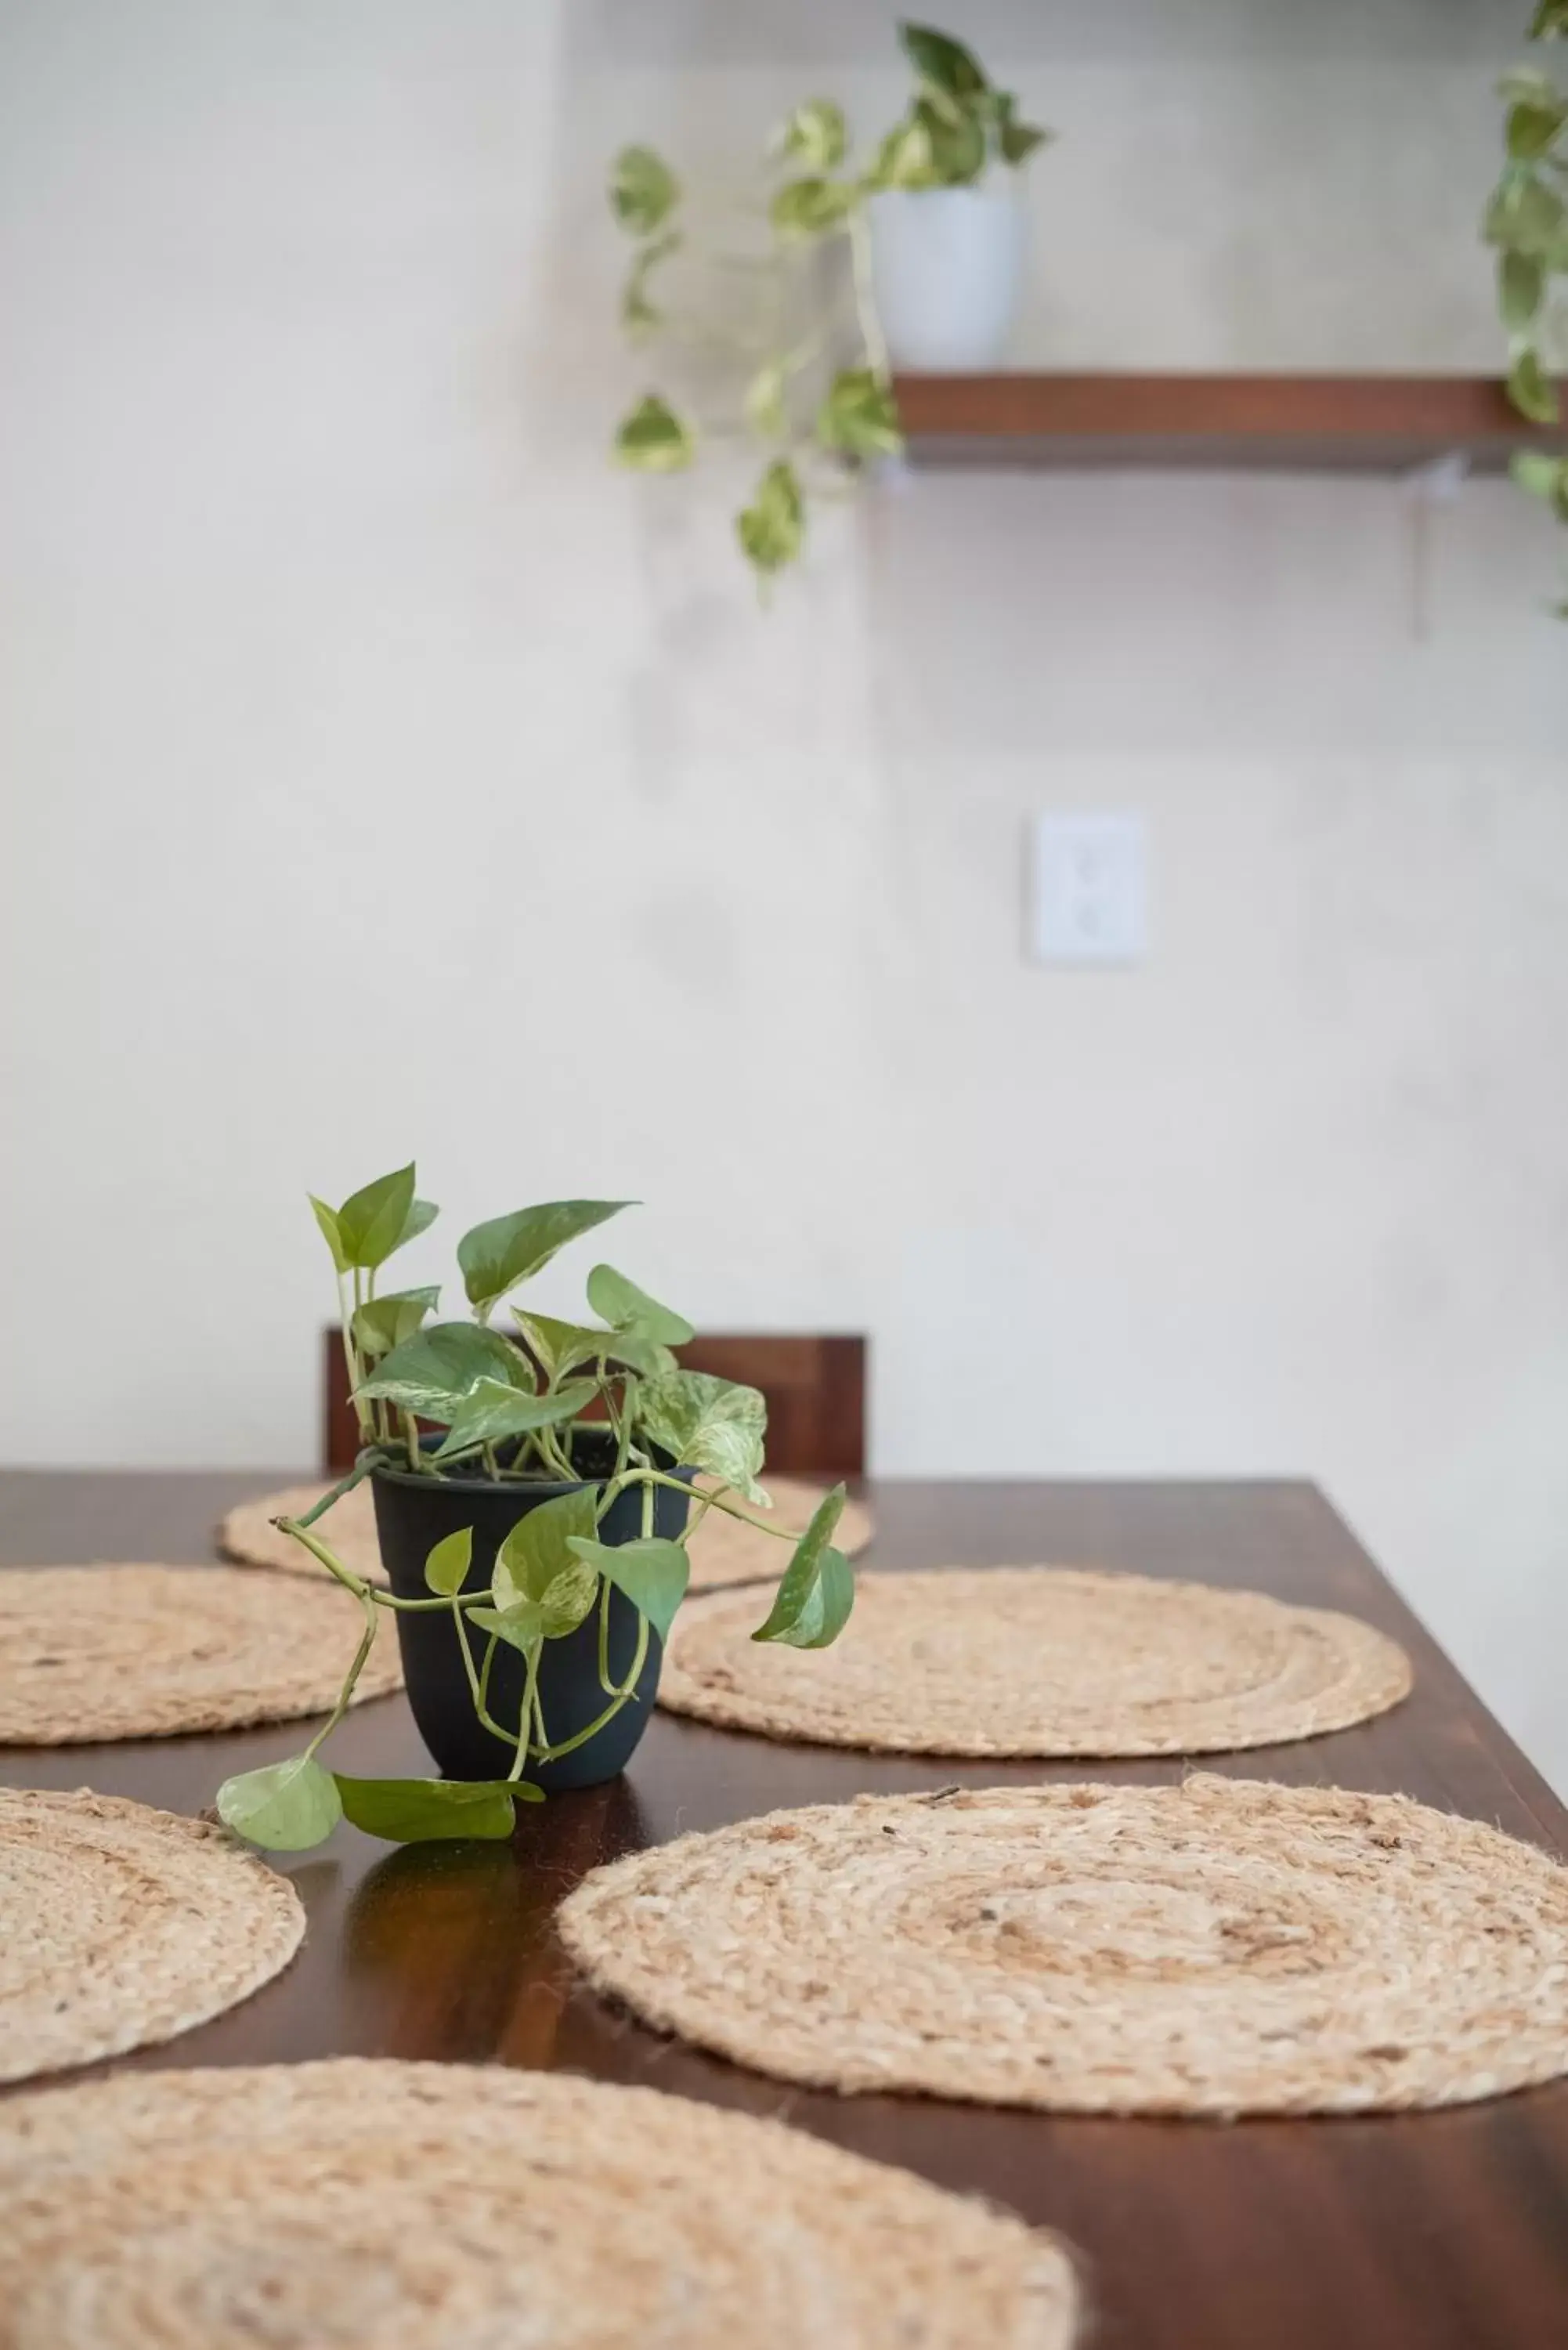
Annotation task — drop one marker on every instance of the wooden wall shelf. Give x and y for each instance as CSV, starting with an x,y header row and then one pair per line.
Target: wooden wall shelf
x,y
1328,424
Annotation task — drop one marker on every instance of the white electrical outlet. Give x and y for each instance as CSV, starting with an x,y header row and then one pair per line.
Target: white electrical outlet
x,y
1088,889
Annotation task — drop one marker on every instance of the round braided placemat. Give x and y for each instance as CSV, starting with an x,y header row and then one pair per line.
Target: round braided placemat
x,y
722,1549
1218,1948
97,1652
124,1926
385,2205
1038,1660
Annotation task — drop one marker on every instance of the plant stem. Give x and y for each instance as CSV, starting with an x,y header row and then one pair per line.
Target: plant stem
x,y
360,1470
525,1711
478,1686
553,1456
709,1502
621,1423
351,1359
366,1643
417,1460
604,1681
866,296
570,1745
357,1583
704,1502
381,1410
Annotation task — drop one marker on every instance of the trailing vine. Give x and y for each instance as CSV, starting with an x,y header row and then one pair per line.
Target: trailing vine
x,y
1526,220
818,403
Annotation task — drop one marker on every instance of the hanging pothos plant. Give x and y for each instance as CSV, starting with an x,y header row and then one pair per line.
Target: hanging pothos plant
x,y
819,402
1527,220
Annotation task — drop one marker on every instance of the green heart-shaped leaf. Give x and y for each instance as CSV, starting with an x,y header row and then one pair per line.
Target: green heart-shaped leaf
x,y
812,207
522,1627
385,1322
1523,213
772,529
825,1610
707,1423
625,1307
372,1222
421,1215
860,416
424,1811
491,1411
284,1806
814,136
643,189
430,1373
546,1338
1017,140
1542,476
561,1347
652,1574
942,62
1533,123
653,440
446,1568
495,1256
538,1549
957,139
637,313
904,158
564,1604
1531,391
327,1218
812,1603
1521,282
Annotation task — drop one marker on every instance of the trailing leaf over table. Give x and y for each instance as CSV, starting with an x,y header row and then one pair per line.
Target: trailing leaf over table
x,y
812,1604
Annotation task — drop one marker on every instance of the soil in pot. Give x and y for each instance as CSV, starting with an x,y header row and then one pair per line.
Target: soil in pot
x,y
413,1513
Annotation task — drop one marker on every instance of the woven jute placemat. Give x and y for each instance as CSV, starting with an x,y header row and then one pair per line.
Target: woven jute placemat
x,y
722,1549
97,1652
1218,1948
1035,1661
420,2207
122,1925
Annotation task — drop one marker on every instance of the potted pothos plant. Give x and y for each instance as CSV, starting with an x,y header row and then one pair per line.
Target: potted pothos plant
x,y
947,222
534,1495
1526,220
934,236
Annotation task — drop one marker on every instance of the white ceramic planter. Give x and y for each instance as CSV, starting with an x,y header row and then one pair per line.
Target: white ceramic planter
x,y
947,265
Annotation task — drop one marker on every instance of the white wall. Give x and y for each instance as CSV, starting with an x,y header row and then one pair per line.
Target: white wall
x,y
383,774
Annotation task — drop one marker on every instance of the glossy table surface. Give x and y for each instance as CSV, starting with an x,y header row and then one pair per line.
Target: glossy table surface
x,y
1435,2232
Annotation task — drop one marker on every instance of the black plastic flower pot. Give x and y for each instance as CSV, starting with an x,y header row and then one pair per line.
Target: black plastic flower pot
x,y
413,1513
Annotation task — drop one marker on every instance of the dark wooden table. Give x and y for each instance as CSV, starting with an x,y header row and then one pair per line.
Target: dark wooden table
x,y
1435,2232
